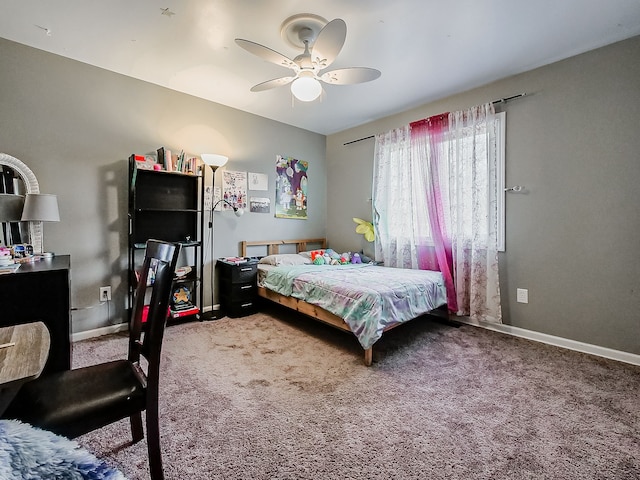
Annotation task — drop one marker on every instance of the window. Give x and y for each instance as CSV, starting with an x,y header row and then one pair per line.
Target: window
x,y
472,162
438,199
402,176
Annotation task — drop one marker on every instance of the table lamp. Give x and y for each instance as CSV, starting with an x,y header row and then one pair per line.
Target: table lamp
x,y
41,207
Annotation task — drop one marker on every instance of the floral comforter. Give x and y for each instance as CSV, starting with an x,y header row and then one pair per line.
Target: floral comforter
x,y
368,297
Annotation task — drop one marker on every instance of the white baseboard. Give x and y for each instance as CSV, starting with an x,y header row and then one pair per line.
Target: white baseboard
x,y
121,327
98,332
556,341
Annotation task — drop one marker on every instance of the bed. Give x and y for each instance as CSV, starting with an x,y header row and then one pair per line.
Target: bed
x,y
365,300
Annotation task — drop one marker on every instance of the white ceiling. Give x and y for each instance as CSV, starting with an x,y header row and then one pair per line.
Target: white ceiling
x,y
425,49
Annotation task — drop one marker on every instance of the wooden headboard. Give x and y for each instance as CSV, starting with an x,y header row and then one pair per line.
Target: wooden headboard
x,y
273,246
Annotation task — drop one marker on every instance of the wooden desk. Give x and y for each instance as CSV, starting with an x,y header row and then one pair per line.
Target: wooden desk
x,y
40,291
23,353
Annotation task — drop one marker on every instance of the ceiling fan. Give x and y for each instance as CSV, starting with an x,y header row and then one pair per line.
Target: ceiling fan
x,y
322,42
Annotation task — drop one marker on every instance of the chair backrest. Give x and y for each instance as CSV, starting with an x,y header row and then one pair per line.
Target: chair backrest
x,y
145,337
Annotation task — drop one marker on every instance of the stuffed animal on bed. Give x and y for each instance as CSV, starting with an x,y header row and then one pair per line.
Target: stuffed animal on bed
x,y
345,258
332,254
331,257
316,257
356,258
365,258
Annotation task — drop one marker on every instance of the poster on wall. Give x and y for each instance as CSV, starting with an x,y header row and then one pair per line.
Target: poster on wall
x,y
291,187
217,195
259,205
258,181
234,189
211,197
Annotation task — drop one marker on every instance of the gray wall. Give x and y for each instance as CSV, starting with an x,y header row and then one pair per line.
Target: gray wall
x,y
574,143
75,126
572,238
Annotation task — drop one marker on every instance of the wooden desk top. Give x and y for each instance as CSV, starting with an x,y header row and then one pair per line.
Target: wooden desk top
x,y
25,359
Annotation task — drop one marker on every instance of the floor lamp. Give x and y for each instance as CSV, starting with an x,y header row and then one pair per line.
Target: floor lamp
x,y
214,161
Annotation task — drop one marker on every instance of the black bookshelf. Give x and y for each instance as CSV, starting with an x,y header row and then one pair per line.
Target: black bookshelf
x,y
166,206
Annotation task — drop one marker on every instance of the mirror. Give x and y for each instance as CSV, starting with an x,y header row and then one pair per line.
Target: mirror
x,y
18,179
11,207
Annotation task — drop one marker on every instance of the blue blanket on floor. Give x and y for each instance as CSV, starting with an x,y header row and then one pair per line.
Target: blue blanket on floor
x,y
29,453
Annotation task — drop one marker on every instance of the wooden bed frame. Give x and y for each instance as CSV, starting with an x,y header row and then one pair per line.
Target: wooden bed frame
x,y
313,311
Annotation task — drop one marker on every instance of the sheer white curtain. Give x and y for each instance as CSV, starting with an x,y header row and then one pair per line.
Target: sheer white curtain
x,y
399,203
435,205
473,189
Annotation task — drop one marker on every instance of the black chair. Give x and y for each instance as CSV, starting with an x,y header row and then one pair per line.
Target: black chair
x,y
74,402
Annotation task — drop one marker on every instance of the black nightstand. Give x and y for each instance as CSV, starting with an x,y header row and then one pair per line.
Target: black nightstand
x,y
237,287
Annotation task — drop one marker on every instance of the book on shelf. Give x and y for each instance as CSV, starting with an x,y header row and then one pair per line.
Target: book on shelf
x,y
182,272
180,162
164,158
187,165
235,260
146,162
182,306
171,313
187,312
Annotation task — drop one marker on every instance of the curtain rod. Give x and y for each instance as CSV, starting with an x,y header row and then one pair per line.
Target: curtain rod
x,y
506,99
501,100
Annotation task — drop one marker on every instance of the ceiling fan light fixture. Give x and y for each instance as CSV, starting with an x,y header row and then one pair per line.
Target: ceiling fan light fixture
x,y
322,42
306,88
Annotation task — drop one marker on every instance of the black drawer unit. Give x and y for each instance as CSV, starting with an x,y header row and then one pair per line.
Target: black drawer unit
x,y
237,287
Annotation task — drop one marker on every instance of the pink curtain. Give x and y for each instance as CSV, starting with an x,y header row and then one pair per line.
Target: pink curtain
x,y
427,140
457,154
443,172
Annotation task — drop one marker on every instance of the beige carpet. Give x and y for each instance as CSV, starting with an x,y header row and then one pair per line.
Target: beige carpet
x,y
278,396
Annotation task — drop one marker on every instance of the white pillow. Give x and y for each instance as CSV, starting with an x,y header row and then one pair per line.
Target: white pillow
x,y
285,259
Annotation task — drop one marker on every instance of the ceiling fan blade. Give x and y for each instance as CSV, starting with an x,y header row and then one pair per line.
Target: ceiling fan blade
x,y
266,53
329,42
276,82
349,76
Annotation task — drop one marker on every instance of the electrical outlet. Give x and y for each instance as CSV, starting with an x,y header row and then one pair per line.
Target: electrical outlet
x,y
522,295
105,294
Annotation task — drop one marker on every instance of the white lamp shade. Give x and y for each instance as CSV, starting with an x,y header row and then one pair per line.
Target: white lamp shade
x,y
40,207
214,160
11,207
306,89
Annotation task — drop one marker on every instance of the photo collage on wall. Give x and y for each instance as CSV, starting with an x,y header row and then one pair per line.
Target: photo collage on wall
x,y
234,189
291,188
259,182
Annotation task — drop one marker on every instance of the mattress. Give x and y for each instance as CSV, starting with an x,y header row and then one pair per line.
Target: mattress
x,y
369,298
